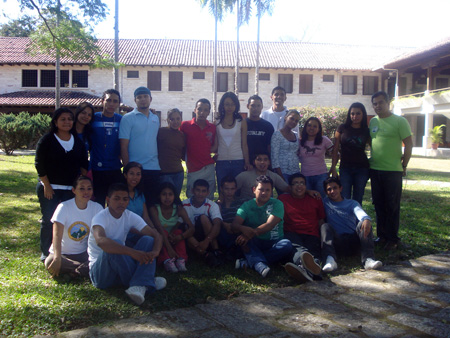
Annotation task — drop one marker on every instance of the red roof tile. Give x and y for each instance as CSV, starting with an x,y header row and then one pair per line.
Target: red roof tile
x,y
200,53
69,98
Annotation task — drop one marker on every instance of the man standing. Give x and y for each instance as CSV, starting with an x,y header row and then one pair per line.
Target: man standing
x,y
387,166
138,133
275,115
105,152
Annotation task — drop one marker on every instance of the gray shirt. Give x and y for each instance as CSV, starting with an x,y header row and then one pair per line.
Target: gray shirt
x,y
246,181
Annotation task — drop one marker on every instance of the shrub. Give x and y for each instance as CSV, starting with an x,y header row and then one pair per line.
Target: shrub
x,y
330,117
21,130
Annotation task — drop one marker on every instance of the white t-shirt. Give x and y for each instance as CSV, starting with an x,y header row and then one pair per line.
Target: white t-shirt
x,y
276,118
115,229
77,225
209,208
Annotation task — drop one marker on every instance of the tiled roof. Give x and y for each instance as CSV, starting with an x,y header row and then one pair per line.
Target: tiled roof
x,y
69,98
200,53
436,49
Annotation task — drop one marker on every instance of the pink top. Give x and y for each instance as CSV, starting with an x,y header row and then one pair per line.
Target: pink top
x,y
312,157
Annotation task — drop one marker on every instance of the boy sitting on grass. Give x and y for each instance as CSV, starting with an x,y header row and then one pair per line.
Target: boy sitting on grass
x,y
205,215
260,224
348,229
113,263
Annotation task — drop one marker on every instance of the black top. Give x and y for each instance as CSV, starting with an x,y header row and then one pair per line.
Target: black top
x,y
259,134
353,145
61,167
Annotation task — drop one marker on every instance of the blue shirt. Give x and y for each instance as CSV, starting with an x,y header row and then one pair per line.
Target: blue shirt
x,y
136,204
344,216
142,132
105,152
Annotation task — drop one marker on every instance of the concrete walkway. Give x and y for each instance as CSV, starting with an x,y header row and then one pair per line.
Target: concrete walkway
x,y
411,299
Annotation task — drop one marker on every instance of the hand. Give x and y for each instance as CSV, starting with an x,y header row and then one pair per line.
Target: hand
x,y
404,172
172,253
55,266
366,227
248,167
48,192
241,240
142,257
248,232
278,171
314,194
152,255
203,245
175,239
333,172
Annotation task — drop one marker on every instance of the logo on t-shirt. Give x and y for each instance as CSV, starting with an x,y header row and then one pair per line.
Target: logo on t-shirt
x,y
310,151
374,129
78,231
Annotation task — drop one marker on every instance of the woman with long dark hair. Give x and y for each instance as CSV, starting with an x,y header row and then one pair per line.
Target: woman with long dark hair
x,y
60,157
351,140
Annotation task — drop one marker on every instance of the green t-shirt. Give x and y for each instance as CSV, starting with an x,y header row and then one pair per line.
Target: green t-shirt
x,y
387,135
254,216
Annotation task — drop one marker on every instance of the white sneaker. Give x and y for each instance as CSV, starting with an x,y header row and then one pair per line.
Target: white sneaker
x,y
330,265
136,294
371,264
160,283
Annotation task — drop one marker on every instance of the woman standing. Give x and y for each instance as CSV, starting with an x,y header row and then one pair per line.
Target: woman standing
x,y
284,147
83,123
60,157
171,150
313,147
351,139
231,136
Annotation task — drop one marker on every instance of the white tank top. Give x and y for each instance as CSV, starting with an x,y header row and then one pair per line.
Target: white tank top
x,y
230,147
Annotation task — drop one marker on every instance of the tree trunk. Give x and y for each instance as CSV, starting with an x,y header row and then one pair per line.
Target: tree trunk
x,y
58,64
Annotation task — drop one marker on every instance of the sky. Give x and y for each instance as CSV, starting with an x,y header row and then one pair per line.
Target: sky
x,y
409,23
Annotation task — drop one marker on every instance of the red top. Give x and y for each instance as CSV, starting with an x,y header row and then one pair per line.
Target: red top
x,y
198,144
301,215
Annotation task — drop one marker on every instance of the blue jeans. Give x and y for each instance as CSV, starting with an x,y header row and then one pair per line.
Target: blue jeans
x,y
176,179
268,251
354,179
315,182
48,207
304,243
114,269
228,168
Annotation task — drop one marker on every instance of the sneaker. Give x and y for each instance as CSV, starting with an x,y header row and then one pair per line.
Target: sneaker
x,y
160,283
262,269
136,294
181,264
330,265
169,265
371,264
297,272
241,263
309,263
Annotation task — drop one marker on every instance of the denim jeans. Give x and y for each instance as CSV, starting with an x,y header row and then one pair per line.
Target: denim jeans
x,y
386,196
304,243
176,179
315,182
48,207
346,244
102,179
122,270
228,168
354,179
149,185
267,251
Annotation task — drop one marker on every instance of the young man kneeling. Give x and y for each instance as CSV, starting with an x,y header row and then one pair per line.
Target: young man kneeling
x,y
348,229
260,222
112,263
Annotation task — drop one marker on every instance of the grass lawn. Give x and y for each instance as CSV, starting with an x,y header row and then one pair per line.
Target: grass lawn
x,y
32,303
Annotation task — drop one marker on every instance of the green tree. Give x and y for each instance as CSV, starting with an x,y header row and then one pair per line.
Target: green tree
x,y
21,27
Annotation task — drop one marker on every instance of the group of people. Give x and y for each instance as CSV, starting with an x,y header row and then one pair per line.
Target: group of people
x,y
145,223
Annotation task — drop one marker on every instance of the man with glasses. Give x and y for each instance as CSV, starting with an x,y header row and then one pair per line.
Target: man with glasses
x,y
302,220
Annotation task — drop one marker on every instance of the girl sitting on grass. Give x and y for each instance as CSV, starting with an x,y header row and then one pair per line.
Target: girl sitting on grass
x,y
166,215
71,226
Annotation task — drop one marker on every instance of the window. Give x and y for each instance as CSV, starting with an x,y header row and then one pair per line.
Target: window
x,y
441,82
222,82
79,78
349,84
175,81
132,74
370,85
305,84
328,78
198,76
264,76
29,78
64,79
402,86
154,80
286,81
47,78
243,82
